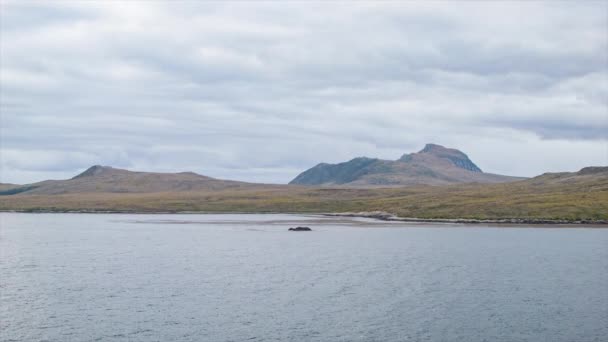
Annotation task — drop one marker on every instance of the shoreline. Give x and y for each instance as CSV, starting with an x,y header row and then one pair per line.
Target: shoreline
x,y
384,216
377,215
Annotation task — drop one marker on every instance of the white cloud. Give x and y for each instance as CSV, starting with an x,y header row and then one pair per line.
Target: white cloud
x,y
260,91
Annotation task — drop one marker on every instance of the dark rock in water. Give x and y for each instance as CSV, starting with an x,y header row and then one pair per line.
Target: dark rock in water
x,y
300,229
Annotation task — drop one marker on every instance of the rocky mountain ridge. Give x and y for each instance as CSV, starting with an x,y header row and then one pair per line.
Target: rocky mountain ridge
x,y
433,165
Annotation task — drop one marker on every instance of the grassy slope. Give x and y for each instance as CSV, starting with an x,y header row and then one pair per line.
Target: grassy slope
x,y
7,186
545,197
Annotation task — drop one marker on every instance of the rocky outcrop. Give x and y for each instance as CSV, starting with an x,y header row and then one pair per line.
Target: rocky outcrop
x,y
457,158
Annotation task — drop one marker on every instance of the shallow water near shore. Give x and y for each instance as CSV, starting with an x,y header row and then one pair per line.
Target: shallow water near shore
x,y
125,277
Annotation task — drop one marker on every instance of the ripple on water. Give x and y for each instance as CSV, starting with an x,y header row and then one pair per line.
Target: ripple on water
x,y
220,278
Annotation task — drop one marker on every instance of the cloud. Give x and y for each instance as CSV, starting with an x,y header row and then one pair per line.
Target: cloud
x,y
261,91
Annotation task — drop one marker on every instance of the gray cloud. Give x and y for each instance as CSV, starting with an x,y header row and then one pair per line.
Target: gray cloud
x,y
261,91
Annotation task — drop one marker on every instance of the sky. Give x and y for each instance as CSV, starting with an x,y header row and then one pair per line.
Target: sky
x,y
261,91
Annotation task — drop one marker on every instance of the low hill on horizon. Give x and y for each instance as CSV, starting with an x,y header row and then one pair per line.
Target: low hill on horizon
x,y
581,195
104,179
433,165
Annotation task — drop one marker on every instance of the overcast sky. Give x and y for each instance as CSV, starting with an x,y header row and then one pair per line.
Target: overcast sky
x,y
261,91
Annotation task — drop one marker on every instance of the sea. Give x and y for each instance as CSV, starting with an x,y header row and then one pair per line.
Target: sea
x,y
245,277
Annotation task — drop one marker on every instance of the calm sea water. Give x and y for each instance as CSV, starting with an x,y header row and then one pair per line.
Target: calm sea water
x,y
78,277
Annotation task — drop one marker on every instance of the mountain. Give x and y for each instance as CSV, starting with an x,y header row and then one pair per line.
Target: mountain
x,y
107,179
433,165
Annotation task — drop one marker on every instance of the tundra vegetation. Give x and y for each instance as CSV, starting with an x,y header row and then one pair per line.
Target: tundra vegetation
x,y
571,196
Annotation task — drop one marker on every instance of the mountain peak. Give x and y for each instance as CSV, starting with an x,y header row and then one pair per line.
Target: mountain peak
x,y
441,151
455,156
94,171
430,148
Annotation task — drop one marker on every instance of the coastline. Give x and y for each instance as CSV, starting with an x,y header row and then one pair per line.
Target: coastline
x,y
384,216
376,215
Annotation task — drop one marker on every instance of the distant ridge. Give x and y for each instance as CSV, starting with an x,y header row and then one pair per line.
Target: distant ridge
x,y
593,170
559,197
106,179
94,171
433,165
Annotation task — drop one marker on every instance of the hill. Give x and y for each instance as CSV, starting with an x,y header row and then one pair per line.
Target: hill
x,y
5,186
433,165
571,196
105,179
8,186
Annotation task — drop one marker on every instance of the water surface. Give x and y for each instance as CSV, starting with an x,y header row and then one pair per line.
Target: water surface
x,y
112,277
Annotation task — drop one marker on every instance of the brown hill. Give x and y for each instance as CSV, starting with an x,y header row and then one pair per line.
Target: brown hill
x,y
106,179
7,186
